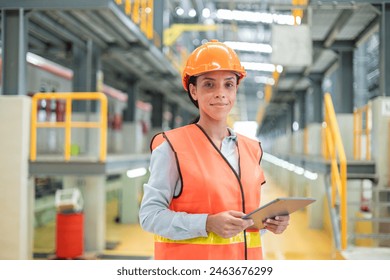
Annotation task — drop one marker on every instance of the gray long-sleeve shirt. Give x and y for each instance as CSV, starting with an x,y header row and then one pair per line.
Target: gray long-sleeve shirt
x,y
164,183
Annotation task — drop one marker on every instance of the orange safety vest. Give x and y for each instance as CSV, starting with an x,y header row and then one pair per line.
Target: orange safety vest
x,y
210,185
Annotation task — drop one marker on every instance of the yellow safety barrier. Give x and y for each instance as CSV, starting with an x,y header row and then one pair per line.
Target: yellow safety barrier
x,y
68,124
141,12
298,9
359,132
338,176
175,30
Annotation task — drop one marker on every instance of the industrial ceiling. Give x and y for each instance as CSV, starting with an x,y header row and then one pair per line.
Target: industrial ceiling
x,y
54,26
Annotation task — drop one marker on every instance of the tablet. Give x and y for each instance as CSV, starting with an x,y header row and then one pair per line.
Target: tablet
x,y
277,207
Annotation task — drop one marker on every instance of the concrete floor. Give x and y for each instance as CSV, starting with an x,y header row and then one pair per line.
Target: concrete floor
x,y
298,242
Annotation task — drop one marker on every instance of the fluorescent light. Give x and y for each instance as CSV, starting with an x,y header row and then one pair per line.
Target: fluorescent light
x,y
192,13
299,170
138,172
179,11
264,80
289,166
310,175
295,126
257,66
206,13
255,17
249,47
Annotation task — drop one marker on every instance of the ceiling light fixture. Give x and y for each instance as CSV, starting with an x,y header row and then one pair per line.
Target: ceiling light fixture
x,y
206,13
257,66
255,17
179,11
264,80
138,172
249,47
192,13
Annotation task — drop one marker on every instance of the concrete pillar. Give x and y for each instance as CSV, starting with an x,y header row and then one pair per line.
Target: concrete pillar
x,y
381,155
133,92
380,138
132,129
17,192
14,26
159,25
360,92
290,116
300,111
343,100
345,122
314,145
384,56
314,100
174,111
93,190
86,67
130,199
157,114
316,189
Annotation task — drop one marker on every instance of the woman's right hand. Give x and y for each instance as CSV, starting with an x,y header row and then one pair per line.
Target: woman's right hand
x,y
227,224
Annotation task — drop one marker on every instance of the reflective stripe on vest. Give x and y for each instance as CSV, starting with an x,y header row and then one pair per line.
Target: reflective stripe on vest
x,y
253,239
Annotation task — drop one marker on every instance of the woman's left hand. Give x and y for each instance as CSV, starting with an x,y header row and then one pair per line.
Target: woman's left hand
x,y
277,225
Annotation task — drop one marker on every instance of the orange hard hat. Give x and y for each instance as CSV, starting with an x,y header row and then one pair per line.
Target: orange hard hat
x,y
212,56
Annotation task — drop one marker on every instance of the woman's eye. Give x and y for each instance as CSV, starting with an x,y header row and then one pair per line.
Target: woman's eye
x,y
208,84
229,85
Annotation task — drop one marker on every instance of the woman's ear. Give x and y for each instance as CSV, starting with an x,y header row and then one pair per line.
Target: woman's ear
x,y
192,89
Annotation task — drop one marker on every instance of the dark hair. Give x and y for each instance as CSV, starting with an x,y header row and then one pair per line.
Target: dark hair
x,y
192,80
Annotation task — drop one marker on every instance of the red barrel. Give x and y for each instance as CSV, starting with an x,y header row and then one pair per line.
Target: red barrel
x,y
69,235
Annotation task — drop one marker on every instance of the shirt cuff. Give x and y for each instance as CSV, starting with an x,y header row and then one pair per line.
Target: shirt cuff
x,y
198,225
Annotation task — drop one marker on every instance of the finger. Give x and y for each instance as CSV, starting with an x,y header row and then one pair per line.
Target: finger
x,y
275,229
272,222
283,218
236,213
277,223
242,222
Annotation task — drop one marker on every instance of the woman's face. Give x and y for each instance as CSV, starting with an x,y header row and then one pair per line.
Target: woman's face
x,y
216,94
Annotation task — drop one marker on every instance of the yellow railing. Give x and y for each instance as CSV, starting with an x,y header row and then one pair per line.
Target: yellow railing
x,y
338,174
68,124
359,132
298,11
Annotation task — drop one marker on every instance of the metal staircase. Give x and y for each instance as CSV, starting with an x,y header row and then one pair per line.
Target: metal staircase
x,y
359,204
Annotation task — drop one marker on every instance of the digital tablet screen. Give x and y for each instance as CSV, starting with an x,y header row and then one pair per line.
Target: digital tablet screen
x,y
278,207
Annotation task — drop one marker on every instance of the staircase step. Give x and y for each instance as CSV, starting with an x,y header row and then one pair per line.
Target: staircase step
x,y
362,176
376,219
366,253
370,203
371,235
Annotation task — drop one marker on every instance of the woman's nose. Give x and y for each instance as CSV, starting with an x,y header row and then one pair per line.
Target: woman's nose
x,y
220,92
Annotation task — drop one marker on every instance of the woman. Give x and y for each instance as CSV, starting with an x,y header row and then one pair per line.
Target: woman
x,y
205,177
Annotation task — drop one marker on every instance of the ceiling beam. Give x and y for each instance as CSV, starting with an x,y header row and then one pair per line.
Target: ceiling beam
x,y
56,28
372,27
346,2
54,4
337,27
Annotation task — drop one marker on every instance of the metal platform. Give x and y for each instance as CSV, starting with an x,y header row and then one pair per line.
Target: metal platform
x,y
366,253
357,169
87,166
